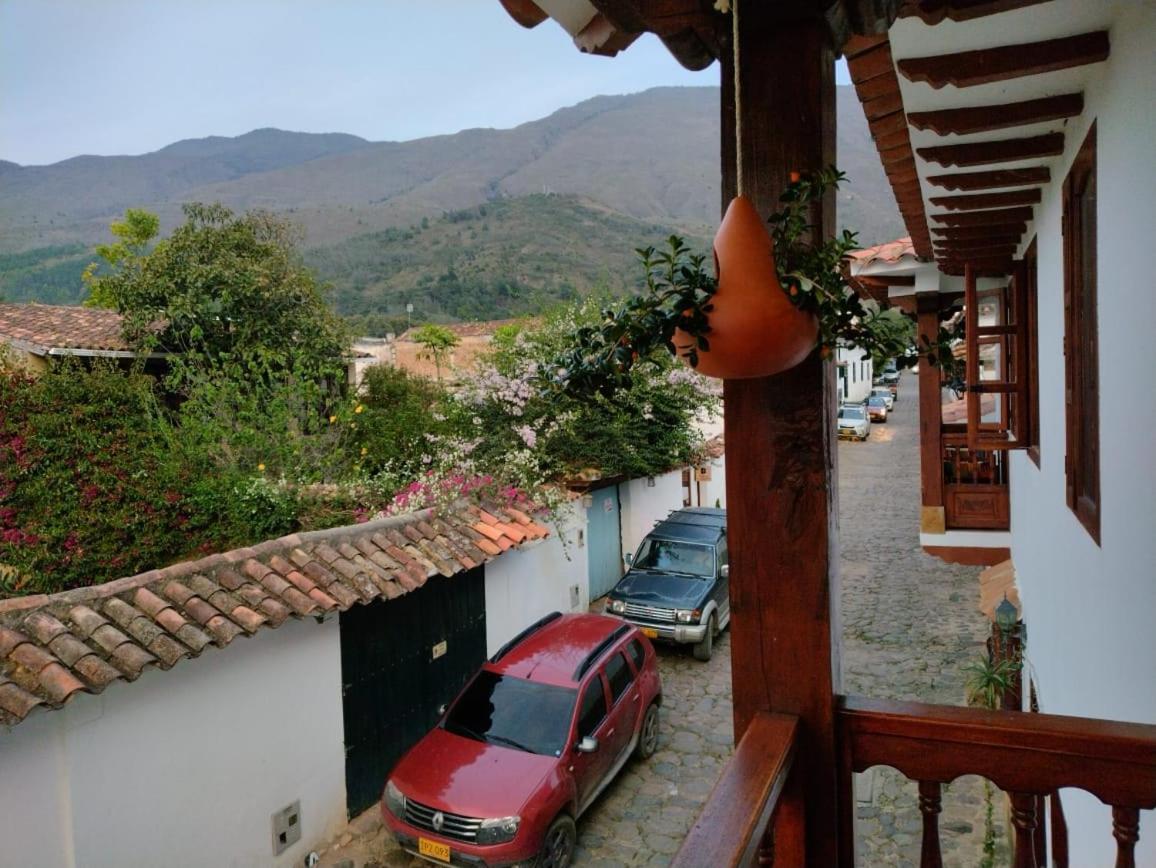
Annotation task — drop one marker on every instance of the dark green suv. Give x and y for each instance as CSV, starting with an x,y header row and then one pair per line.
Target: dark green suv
x,y
677,586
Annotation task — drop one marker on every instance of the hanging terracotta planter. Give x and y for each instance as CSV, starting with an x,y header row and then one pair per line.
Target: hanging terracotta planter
x,y
755,330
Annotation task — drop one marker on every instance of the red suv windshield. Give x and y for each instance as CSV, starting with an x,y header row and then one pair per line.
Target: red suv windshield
x,y
515,713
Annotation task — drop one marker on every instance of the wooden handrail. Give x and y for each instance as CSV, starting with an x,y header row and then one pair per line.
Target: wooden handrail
x,y
1017,751
740,807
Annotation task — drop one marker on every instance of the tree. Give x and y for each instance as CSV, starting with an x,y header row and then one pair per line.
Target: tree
x,y
225,294
437,343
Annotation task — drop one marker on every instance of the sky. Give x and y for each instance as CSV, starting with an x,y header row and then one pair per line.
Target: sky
x,y
131,76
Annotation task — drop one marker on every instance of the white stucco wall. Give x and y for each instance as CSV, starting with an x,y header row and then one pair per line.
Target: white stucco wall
x,y
713,491
855,370
644,505
1089,608
525,584
185,767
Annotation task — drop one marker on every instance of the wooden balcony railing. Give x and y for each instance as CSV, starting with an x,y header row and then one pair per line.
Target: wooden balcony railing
x,y
975,485
743,813
752,816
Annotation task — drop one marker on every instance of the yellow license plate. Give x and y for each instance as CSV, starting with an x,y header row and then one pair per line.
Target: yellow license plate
x,y
649,634
433,849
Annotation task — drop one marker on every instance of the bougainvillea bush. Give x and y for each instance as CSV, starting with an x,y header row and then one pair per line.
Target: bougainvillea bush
x,y
96,484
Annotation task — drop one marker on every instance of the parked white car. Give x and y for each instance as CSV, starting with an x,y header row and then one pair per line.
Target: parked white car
x,y
853,422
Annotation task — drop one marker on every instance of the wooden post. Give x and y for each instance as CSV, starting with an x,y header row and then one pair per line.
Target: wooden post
x,y
931,519
781,495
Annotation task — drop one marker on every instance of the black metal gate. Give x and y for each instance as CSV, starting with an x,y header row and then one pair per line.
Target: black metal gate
x,y
395,672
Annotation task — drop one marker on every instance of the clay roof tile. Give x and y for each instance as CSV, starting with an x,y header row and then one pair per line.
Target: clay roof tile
x,y
17,701
58,682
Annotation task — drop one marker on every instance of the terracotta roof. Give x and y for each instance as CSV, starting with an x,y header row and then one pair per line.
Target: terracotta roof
x,y
995,583
892,251
53,646
45,327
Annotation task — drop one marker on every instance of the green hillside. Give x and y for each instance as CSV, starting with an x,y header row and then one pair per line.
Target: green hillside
x,y
505,258
46,274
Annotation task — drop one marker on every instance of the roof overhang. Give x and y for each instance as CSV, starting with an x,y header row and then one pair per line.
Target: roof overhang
x,y
968,102
36,349
696,32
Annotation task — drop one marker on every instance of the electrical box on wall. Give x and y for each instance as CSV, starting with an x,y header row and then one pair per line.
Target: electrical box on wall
x,y
702,474
575,596
286,827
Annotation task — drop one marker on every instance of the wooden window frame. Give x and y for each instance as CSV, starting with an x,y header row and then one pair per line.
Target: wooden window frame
x,y
1010,333
1031,275
1081,339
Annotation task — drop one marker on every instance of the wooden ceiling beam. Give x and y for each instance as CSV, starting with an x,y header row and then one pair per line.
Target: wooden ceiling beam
x,y
992,266
1030,196
935,11
999,239
525,12
988,180
985,218
987,65
1005,150
958,232
985,250
887,279
981,119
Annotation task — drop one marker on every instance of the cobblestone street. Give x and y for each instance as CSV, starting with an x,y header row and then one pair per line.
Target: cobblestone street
x,y
910,627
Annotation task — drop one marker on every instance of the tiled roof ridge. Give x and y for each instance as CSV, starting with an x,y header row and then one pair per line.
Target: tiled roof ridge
x,y
82,640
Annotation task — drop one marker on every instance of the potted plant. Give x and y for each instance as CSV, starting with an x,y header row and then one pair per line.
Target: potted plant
x,y
778,297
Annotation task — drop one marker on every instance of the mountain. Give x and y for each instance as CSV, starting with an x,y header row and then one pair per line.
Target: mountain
x,y
509,257
650,156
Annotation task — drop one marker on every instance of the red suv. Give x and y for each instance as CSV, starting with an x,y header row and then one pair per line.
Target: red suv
x,y
528,745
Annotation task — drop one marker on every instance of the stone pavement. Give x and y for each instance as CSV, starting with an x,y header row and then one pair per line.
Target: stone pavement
x,y
910,626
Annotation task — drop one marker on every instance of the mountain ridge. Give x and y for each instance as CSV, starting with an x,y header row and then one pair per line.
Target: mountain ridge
x,y
650,155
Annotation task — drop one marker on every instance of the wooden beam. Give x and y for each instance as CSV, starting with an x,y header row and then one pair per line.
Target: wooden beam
x,y
781,493
992,231
987,65
993,257
972,244
969,556
988,180
1003,151
740,807
935,11
930,415
981,119
988,200
985,218
889,279
982,267
978,245
525,12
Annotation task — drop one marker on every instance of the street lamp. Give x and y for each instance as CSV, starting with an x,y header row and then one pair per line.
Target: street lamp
x,y
408,313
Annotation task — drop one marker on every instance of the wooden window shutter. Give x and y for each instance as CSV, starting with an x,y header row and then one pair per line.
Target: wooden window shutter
x,y
1011,430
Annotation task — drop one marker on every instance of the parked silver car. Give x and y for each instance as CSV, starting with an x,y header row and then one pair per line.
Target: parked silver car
x,y
853,422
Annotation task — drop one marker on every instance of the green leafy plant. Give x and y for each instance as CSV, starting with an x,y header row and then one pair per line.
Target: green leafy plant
x,y
437,343
679,289
987,682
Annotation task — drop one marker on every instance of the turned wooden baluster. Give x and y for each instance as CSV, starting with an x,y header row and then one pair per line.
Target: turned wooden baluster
x,y
1024,820
930,804
1126,830
1059,831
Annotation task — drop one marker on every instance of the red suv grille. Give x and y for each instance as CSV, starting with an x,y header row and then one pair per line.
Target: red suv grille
x,y
453,825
